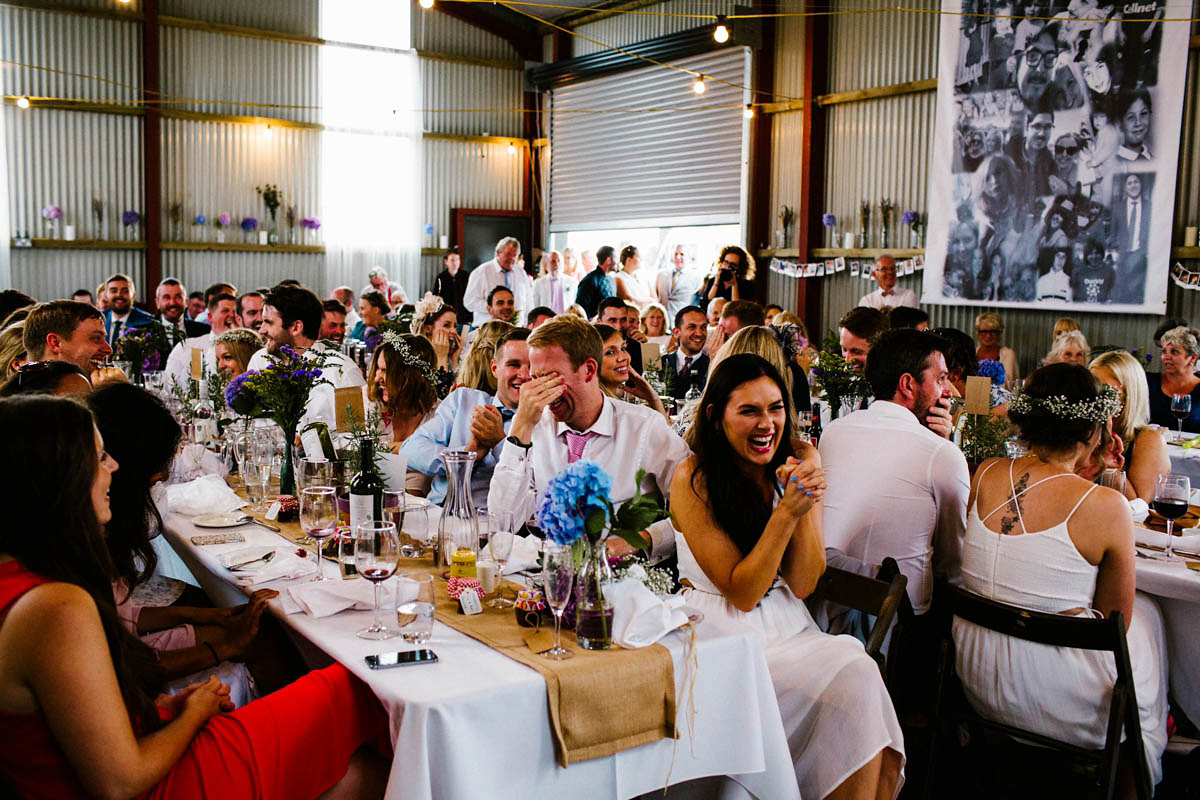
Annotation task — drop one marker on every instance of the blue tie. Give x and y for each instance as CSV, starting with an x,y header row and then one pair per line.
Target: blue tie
x,y
506,283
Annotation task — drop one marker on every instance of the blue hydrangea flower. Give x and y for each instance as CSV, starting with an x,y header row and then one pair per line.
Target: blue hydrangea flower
x,y
570,497
991,368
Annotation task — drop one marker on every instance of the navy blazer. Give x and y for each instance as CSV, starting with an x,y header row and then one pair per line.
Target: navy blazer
x,y
136,319
677,385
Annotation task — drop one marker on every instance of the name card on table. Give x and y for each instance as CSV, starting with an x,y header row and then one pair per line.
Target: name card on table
x,y
979,394
651,356
197,363
347,403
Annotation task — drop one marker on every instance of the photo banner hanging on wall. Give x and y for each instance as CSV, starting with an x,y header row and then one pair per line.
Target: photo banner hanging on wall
x,y
1055,153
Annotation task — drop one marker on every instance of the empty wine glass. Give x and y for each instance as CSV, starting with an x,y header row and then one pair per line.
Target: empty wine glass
x,y
500,545
314,472
376,556
1181,406
1171,497
318,517
558,576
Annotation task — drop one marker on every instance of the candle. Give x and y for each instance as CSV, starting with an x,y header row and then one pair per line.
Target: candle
x,y
1189,235
848,241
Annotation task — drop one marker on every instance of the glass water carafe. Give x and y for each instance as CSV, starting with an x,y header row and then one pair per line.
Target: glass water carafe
x,y
458,527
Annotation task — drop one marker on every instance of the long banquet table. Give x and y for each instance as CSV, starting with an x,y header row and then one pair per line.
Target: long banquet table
x,y
1176,590
475,724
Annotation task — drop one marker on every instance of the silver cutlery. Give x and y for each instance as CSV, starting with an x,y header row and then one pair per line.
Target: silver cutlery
x,y
265,558
247,518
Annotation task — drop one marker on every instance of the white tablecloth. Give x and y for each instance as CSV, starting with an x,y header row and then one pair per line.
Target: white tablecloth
x,y
476,723
1176,589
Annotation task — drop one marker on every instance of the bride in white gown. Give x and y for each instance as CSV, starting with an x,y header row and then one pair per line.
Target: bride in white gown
x,y
748,505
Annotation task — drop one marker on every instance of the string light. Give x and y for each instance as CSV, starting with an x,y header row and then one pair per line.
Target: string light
x,y
721,33
22,102
748,112
512,149
426,3
698,86
267,131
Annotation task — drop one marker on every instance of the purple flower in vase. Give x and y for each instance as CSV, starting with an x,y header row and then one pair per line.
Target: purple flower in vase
x,y
130,218
312,223
249,224
224,220
828,220
153,362
908,217
52,212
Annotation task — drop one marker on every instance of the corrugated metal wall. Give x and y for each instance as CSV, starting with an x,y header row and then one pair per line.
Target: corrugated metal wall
x,y
55,274
471,99
624,29
786,141
286,16
198,269
442,33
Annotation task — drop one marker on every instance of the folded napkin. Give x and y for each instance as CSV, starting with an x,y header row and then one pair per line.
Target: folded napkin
x,y
325,598
204,495
640,617
1188,543
196,460
1140,510
524,554
285,564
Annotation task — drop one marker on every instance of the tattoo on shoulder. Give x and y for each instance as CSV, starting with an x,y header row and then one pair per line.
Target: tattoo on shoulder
x,y
1015,507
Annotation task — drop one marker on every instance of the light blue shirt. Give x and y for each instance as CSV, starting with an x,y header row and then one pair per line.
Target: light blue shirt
x,y
450,429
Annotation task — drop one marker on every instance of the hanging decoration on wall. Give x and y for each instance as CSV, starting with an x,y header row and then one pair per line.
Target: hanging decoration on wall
x,y
858,269
1055,154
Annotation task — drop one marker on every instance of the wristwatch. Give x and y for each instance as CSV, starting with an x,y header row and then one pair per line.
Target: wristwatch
x,y
519,443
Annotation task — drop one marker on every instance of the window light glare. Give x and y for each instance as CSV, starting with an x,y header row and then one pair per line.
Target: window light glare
x,y
267,131
22,102
721,32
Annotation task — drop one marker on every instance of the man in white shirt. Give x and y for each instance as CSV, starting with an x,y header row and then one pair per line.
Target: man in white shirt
x,y
896,488
563,416
292,316
500,271
887,294
676,286
222,315
554,290
1055,284
378,282
249,310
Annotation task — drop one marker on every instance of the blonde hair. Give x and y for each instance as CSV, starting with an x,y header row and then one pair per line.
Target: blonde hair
x,y
1065,340
242,343
1065,325
646,312
789,318
1135,393
994,318
1184,337
12,347
476,369
761,341
576,310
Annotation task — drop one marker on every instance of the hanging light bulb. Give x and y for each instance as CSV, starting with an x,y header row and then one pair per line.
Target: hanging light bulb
x,y
698,86
267,131
748,113
426,3
512,149
721,32
22,102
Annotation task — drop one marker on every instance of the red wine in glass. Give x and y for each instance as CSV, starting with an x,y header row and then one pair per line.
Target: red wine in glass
x,y
1181,407
1171,496
382,574
1171,509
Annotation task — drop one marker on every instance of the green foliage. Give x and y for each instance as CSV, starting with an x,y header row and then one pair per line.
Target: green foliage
x,y
635,515
840,381
984,437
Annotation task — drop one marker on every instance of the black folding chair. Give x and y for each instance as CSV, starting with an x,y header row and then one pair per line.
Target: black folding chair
x,y
880,597
1098,768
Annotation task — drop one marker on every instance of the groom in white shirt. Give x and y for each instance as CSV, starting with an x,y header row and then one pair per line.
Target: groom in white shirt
x,y
563,416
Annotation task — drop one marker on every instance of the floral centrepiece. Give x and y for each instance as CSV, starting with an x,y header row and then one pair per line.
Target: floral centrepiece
x,y
840,381
145,347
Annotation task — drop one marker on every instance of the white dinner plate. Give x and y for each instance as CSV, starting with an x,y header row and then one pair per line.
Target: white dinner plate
x,y
224,519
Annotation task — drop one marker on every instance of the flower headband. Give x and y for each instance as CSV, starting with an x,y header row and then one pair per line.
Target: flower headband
x,y
240,336
1098,409
407,356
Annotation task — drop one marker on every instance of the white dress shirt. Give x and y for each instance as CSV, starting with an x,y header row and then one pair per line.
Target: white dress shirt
x,y
179,362
488,276
628,438
1054,286
341,373
895,488
897,297
675,289
543,291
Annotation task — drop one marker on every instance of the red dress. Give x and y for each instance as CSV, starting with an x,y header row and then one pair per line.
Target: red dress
x,y
293,743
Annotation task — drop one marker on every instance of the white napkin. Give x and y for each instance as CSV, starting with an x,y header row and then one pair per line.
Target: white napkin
x,y
325,598
196,460
204,495
641,618
1139,509
524,554
1188,543
285,564
395,470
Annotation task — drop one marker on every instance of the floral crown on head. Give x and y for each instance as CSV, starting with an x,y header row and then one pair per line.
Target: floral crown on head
x,y
1098,409
240,336
407,356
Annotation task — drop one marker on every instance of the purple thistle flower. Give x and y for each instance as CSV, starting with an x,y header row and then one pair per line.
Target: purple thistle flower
x,y
130,218
908,217
312,223
828,220
249,224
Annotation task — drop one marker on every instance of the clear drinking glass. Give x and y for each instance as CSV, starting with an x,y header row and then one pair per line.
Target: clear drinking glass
x,y
414,607
314,472
1172,495
558,577
318,518
1181,406
376,556
261,452
500,545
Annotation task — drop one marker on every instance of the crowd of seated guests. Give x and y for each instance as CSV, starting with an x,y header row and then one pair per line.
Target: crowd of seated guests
x,y
676,373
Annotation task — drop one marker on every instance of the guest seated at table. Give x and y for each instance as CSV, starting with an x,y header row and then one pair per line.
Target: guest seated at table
x,y
565,355
654,325
1063,325
60,378
1145,455
475,372
617,378
1180,349
1070,347
12,349
1040,537
438,324
401,383
989,328
142,436
234,349
373,309
80,713
748,503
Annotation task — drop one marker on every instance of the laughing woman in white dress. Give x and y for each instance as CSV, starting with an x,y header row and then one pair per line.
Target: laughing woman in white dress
x,y
748,505
1040,537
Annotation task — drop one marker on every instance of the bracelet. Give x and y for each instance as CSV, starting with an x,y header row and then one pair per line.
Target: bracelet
x,y
212,650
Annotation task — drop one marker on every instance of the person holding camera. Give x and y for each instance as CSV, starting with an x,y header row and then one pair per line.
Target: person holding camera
x,y
732,277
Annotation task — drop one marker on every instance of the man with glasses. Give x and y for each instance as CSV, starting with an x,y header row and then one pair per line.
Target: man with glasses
x,y
1037,66
887,294
1031,154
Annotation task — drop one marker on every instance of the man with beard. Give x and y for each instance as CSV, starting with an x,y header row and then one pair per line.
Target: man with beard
x,y
121,313
249,310
169,299
689,364
333,322
1037,65
1030,154
222,316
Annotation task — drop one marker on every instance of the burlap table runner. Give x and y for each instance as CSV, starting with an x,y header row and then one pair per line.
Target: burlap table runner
x,y
601,702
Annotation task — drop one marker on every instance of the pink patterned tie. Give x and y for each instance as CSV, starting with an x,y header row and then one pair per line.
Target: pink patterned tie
x,y
575,445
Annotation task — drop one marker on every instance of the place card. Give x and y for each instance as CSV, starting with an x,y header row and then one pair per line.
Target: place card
x,y
217,538
469,600
540,640
651,356
347,403
273,511
979,394
197,363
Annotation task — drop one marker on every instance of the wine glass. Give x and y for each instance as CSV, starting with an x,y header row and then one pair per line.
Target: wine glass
x,y
314,472
500,545
1171,496
1181,406
318,517
261,455
558,576
414,607
376,556
395,506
